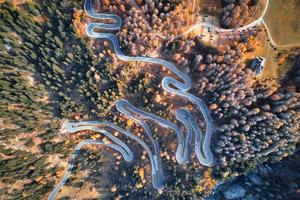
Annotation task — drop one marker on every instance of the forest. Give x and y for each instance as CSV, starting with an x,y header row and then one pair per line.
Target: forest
x,y
51,72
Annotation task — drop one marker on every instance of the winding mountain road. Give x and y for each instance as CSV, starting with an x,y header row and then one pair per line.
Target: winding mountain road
x,y
123,149
169,84
72,127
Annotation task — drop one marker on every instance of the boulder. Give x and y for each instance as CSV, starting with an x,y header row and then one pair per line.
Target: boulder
x,y
234,192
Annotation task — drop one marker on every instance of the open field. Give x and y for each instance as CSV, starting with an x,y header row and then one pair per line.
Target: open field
x,y
276,66
282,18
277,63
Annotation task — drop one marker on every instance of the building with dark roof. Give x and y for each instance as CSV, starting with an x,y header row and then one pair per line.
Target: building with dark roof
x,y
258,65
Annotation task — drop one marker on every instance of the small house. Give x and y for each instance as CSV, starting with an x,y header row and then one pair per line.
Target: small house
x,y
258,65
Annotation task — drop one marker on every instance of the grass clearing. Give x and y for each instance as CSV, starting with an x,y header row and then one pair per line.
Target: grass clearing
x,y
274,66
277,63
282,18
